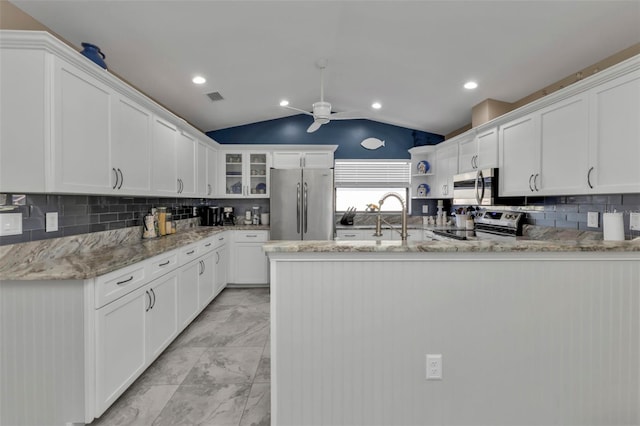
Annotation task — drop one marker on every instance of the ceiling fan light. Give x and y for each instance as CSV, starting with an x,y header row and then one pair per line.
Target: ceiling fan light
x,y
284,102
376,105
470,85
198,79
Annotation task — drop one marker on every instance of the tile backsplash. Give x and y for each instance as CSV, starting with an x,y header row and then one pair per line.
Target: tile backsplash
x,y
81,214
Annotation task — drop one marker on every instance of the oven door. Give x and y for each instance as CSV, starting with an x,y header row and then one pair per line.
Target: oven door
x,y
475,188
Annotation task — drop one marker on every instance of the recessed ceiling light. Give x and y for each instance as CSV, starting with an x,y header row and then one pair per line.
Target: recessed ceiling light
x,y
284,102
199,80
470,85
376,105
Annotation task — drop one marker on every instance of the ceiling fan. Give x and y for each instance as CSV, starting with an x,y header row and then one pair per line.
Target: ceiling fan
x,y
322,110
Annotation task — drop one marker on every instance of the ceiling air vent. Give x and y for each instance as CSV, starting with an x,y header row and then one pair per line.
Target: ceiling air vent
x,y
215,96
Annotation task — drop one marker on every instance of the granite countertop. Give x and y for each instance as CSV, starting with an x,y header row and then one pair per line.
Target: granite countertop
x,y
90,263
521,245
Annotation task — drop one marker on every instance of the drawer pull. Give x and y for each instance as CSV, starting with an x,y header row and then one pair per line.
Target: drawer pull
x,y
221,239
251,235
165,263
191,252
207,245
125,281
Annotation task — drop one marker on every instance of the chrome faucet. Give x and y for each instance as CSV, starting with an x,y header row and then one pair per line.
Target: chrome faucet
x,y
403,232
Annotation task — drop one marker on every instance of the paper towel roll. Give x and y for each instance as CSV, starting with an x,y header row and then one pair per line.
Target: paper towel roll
x,y
613,225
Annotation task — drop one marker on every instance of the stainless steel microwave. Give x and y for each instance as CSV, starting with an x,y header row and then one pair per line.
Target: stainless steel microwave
x,y
479,188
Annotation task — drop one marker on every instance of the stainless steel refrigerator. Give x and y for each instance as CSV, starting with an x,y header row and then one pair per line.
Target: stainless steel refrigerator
x,y
302,204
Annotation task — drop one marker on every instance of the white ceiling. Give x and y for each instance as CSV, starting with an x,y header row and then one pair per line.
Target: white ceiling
x,y
411,56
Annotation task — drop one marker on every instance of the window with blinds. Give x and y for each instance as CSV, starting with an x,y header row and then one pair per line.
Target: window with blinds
x,y
362,182
372,174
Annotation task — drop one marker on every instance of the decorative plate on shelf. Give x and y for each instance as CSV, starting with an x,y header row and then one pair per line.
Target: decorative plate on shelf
x,y
423,190
423,166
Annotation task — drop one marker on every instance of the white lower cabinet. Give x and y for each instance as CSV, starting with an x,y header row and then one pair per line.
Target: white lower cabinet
x,y
130,333
249,262
222,268
206,279
188,289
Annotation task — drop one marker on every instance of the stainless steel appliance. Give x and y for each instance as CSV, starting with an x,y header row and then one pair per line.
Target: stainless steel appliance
x,y
302,204
478,188
228,216
210,215
490,225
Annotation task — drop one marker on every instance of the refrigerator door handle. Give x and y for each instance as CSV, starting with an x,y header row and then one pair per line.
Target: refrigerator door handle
x,y
298,208
306,191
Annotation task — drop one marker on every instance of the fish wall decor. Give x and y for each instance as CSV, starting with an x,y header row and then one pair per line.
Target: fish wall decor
x,y
372,143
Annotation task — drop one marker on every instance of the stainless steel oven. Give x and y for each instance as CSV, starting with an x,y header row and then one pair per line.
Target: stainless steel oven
x,y
479,188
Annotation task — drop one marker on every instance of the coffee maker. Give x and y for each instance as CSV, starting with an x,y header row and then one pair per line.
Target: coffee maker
x,y
228,216
210,215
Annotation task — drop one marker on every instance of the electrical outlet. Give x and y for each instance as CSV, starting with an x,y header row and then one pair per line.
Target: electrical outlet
x,y
10,223
592,219
434,366
425,209
51,224
634,221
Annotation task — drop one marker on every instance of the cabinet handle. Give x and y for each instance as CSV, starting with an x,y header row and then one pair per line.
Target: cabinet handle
x,y
125,281
304,162
349,235
471,161
221,239
535,180
475,160
154,298
178,191
251,235
589,177
148,307
217,257
201,267
191,252
115,173
208,189
208,245
121,179
165,263
530,187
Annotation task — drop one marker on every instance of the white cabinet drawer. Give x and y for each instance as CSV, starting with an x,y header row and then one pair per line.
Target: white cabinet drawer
x,y
220,239
349,234
116,284
162,264
251,236
187,254
208,245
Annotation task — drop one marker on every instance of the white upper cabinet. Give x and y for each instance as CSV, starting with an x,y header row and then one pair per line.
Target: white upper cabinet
x,y
478,151
307,160
519,156
163,165
130,147
201,170
467,154
564,147
245,174
82,128
207,170
24,134
445,168
186,164
614,135
487,149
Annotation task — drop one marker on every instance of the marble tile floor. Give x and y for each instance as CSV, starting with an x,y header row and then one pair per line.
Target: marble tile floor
x,y
216,372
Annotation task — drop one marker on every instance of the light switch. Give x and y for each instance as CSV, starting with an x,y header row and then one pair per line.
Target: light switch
x,y
10,223
51,222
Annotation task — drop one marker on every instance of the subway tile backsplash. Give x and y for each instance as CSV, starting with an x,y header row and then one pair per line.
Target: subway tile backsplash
x,y
81,214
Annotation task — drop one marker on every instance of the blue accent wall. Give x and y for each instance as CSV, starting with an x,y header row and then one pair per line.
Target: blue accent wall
x,y
347,134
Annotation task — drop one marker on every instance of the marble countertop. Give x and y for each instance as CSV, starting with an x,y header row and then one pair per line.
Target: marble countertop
x,y
100,261
520,245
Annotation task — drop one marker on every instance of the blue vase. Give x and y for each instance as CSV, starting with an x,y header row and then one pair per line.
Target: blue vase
x,y
93,52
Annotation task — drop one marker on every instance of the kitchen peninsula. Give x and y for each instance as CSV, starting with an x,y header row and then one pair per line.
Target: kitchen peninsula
x,y
530,332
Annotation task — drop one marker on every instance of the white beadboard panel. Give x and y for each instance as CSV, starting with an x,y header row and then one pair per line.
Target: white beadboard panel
x,y
42,366
538,340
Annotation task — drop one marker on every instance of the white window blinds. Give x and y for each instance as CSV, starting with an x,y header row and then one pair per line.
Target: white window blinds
x,y
372,173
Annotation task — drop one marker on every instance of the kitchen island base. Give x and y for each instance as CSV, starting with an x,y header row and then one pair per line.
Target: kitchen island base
x,y
525,338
